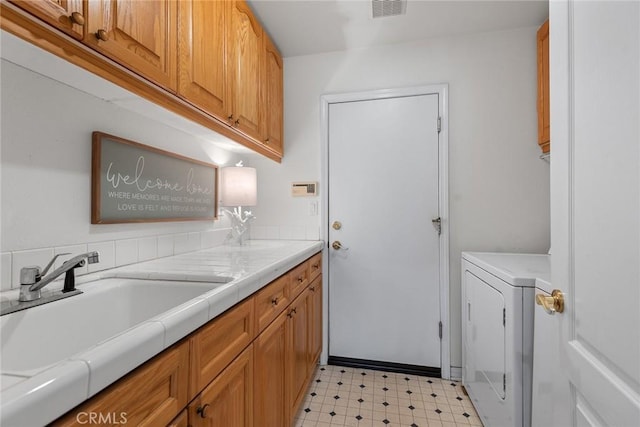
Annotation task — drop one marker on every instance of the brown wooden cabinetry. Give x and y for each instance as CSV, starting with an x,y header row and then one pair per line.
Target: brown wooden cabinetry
x,y
271,360
245,57
228,400
298,348
216,344
181,420
544,136
273,91
151,395
140,35
209,61
66,15
202,49
315,323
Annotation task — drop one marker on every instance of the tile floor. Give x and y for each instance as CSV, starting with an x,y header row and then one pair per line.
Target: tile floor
x,y
340,396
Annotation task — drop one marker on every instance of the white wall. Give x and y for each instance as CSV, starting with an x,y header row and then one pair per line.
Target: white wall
x,y
46,181
499,188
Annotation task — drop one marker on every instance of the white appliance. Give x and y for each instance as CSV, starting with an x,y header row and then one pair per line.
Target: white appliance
x,y
497,333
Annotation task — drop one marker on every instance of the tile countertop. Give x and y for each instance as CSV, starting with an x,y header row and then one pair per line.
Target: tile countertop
x,y
59,388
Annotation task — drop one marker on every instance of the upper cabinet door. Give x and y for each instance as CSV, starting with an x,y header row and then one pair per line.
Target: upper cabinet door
x,y
139,34
544,137
202,53
66,15
273,96
246,66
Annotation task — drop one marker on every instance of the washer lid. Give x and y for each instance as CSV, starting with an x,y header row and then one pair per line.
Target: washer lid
x,y
515,269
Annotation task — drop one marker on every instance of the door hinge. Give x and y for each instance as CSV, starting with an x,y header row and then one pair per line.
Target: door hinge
x,y
504,382
440,329
504,317
437,223
439,124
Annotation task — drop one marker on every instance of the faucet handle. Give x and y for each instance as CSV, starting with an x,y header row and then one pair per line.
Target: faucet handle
x,y
46,269
93,257
29,275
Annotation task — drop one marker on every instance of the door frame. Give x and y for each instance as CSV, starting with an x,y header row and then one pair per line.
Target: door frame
x,y
442,90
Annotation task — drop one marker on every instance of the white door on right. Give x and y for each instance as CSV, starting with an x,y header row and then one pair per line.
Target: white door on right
x,y
595,214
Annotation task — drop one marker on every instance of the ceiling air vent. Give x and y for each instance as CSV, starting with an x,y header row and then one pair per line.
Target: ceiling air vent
x,y
382,8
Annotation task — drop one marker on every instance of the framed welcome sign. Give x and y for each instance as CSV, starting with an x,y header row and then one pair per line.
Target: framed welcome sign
x,y
132,182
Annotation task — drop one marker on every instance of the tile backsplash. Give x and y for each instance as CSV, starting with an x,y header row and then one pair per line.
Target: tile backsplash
x,y
113,253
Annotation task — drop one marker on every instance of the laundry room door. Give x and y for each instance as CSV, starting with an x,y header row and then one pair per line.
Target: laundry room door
x,y
384,250
595,213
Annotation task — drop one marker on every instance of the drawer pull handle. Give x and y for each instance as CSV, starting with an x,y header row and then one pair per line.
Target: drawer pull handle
x,y
315,266
313,288
274,301
300,279
291,312
102,35
237,122
77,18
202,410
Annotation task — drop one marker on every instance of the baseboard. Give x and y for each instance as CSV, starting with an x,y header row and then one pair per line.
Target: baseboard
x,y
425,371
456,373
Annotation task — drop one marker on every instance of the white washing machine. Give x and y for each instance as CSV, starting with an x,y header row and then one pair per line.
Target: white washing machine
x,y
497,333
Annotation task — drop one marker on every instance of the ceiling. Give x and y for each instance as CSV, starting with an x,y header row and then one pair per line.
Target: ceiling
x,y
304,27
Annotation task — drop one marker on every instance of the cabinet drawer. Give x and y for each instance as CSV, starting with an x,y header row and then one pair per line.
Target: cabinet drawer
x,y
151,395
315,266
298,279
217,343
181,420
271,301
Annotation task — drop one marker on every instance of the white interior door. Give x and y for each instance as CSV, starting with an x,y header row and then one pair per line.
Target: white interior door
x,y
595,166
384,297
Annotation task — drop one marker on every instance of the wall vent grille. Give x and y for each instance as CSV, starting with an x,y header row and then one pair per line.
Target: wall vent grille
x,y
382,8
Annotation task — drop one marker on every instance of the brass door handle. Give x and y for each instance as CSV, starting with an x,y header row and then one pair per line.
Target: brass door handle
x,y
336,245
552,304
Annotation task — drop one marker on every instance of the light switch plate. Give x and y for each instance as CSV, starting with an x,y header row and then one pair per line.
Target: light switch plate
x,y
304,189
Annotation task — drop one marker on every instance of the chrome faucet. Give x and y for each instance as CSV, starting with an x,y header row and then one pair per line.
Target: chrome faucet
x,y
32,280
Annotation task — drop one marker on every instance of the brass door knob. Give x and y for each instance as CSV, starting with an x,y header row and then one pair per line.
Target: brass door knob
x,y
77,18
336,245
336,225
102,35
552,304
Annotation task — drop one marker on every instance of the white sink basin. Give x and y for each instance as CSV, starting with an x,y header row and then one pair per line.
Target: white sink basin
x,y
41,336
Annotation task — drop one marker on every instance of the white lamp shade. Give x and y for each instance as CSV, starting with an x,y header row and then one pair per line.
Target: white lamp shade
x,y
238,186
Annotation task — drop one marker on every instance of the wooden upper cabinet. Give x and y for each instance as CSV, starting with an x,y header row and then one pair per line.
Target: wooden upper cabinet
x,y
273,91
544,137
202,52
66,15
139,34
246,56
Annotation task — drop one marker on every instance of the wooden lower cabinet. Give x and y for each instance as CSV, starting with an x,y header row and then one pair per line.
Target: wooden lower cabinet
x,y
181,420
298,365
151,395
228,400
315,324
269,387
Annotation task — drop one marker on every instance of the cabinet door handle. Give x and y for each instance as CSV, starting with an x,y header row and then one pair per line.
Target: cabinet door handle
x,y
312,288
274,301
77,18
202,410
266,141
102,35
291,312
300,279
237,122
